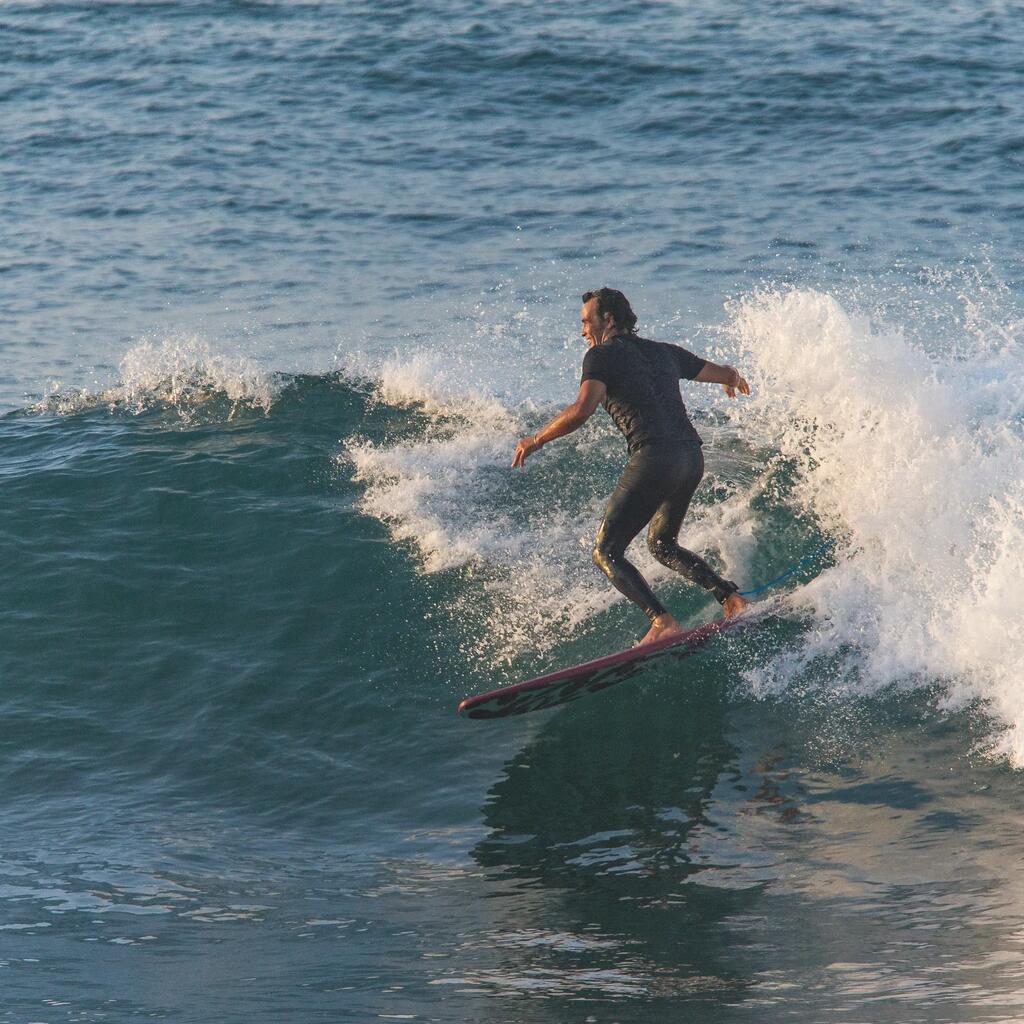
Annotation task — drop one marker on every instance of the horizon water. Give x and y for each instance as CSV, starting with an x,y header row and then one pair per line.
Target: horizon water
x,y
281,284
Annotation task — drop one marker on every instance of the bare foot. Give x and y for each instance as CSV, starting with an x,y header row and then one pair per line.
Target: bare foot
x,y
734,605
663,626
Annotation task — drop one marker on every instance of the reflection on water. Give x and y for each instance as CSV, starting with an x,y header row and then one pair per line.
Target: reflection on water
x,y
671,851
697,850
608,817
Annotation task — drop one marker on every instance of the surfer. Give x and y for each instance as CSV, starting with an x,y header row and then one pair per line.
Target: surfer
x,y
637,381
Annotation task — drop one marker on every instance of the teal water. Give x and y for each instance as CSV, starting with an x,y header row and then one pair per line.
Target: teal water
x,y
281,285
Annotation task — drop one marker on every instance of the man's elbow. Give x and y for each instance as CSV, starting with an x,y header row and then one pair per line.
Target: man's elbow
x,y
579,414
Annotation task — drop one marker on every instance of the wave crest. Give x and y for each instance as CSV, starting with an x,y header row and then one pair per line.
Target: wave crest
x,y
182,373
916,461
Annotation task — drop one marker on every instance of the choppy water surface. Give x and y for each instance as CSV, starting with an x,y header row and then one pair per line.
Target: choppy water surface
x,y
281,285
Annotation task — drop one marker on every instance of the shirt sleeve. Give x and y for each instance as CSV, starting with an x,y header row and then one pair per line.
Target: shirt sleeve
x,y
596,366
689,365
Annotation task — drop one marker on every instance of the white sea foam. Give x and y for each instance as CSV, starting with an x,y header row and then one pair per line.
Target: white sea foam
x,y
181,371
916,462
523,538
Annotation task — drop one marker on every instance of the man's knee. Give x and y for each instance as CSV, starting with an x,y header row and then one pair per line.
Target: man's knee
x,y
603,556
663,548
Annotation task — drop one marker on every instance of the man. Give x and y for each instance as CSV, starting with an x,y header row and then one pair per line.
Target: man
x,y
637,381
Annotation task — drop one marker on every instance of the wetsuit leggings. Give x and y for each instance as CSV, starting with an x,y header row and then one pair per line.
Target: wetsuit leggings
x,y
656,487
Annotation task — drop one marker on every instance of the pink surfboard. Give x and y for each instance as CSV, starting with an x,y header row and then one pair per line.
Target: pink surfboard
x,y
570,684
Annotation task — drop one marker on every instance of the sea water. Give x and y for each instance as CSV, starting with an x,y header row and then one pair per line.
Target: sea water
x,y
282,283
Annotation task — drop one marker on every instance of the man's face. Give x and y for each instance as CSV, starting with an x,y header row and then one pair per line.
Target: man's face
x,y
595,328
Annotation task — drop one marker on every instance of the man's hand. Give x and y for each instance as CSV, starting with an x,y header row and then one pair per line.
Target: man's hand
x,y
738,384
728,376
527,446
572,417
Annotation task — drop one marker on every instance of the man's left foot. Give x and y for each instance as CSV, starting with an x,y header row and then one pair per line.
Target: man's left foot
x,y
734,605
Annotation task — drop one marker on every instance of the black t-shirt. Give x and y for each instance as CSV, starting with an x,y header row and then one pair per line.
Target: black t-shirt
x,y
642,378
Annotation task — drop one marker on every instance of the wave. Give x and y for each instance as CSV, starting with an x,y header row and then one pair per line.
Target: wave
x,y
915,460
181,373
912,460
909,455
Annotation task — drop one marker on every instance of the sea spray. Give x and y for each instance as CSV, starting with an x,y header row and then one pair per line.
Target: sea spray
x,y
180,372
915,462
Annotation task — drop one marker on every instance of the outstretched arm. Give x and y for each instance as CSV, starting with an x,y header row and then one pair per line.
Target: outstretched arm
x,y
728,376
571,418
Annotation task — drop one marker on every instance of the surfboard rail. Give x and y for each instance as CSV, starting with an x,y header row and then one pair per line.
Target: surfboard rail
x,y
569,684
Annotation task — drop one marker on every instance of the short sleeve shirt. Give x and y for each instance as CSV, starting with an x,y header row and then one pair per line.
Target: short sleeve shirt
x,y
642,378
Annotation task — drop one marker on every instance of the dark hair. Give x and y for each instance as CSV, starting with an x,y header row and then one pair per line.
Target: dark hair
x,y
611,301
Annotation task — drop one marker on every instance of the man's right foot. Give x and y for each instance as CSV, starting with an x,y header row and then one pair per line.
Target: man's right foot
x,y
663,626
734,605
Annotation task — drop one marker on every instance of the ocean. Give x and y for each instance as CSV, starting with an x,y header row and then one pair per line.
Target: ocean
x,y
281,285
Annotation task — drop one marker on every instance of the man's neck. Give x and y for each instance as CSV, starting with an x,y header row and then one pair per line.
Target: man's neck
x,y
612,332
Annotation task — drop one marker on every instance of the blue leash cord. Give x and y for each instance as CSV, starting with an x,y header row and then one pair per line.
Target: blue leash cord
x,y
789,572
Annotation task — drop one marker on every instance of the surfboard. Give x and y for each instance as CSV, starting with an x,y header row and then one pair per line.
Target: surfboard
x,y
569,684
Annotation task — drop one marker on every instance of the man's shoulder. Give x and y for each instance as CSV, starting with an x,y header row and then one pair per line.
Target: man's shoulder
x,y
630,352
627,343
634,342
665,346
652,348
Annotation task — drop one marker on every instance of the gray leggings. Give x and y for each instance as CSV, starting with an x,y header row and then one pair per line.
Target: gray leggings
x,y
656,487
